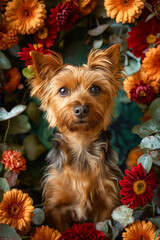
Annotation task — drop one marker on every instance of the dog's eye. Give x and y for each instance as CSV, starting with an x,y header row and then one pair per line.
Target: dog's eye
x,y
95,90
64,91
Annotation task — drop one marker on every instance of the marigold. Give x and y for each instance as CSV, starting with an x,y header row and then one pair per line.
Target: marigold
x,y
151,63
140,230
14,160
133,156
46,233
16,209
140,87
27,16
124,10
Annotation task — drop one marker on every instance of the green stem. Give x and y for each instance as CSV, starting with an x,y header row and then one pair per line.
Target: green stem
x,y
6,133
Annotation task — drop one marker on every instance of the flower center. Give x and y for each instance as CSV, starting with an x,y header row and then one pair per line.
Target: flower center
x,y
26,13
16,210
43,33
151,38
124,2
139,187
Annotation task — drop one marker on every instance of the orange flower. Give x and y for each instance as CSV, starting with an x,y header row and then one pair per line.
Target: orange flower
x,y
14,77
124,10
16,209
44,232
14,160
27,16
133,156
140,230
151,63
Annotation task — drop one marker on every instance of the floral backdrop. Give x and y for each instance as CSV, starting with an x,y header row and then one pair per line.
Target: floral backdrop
x,y
73,28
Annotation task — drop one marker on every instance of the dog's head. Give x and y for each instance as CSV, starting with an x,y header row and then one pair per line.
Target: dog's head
x,y
77,98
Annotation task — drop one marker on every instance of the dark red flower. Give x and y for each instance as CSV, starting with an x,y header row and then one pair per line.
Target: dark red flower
x,y
84,231
141,36
64,15
138,187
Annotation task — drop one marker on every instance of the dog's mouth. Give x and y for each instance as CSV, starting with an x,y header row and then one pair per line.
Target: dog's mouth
x,y
81,122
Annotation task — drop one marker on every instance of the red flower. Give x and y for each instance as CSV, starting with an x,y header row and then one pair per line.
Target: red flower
x,y
14,160
85,231
141,36
137,186
25,54
64,15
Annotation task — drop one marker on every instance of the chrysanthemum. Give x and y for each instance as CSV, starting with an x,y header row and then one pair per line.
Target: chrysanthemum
x,y
46,233
138,187
140,230
133,156
27,16
151,63
140,87
14,160
16,209
124,10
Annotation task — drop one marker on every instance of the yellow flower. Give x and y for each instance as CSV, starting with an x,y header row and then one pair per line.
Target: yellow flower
x,y
124,10
16,209
26,16
133,156
46,233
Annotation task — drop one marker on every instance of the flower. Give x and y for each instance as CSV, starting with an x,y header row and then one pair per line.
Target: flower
x,y
14,160
8,36
64,15
133,156
141,36
44,232
16,209
137,186
85,231
151,63
25,54
124,10
140,230
27,16
156,4
140,87
13,77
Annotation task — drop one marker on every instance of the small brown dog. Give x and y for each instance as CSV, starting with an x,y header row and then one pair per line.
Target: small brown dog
x,y
81,183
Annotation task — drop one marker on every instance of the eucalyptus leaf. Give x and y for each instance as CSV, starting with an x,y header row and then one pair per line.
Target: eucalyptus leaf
x,y
98,30
97,43
4,115
34,113
157,233
155,221
155,155
7,232
108,229
132,67
4,62
19,125
123,215
150,16
1,167
146,161
154,108
150,143
39,216
1,195
4,184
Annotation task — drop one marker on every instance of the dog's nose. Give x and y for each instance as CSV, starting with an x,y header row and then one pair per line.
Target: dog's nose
x,y
81,111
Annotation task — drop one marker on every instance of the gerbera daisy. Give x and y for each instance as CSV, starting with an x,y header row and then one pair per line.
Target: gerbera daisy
x,y
140,87
26,16
16,209
140,230
26,52
124,10
138,187
133,156
151,64
46,233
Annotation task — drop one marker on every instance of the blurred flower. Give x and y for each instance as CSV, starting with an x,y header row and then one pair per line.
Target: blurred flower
x,y
25,54
64,15
3,4
83,231
156,4
16,209
151,64
14,160
140,230
27,16
138,187
46,233
124,10
141,36
140,87
133,156
13,77
8,36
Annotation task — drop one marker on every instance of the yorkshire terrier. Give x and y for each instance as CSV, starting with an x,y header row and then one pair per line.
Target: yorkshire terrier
x,y
81,182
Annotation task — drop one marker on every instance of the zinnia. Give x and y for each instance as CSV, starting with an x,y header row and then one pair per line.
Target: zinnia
x,y
140,87
46,233
26,16
84,231
138,187
151,64
16,209
133,156
124,10
14,160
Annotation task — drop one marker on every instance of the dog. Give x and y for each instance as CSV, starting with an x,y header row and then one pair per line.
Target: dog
x,y
81,180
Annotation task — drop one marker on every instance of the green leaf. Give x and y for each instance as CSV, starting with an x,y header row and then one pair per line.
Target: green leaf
x,y
19,125
7,232
1,167
146,161
1,195
98,30
123,215
39,216
132,67
155,155
156,233
4,62
108,229
150,143
4,184
150,16
4,115
34,113
154,108
97,43
28,72
155,221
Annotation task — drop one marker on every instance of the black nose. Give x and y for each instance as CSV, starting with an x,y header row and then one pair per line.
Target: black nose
x,y
81,111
